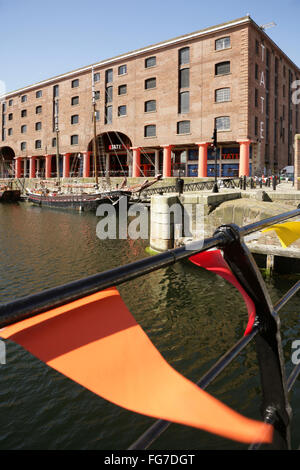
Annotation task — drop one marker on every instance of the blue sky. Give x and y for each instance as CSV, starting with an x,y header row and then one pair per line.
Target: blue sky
x,y
41,39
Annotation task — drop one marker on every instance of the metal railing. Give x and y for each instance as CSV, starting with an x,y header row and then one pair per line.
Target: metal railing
x,y
242,182
197,186
229,238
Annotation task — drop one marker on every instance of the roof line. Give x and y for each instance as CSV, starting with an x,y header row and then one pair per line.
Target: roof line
x,y
143,50
132,54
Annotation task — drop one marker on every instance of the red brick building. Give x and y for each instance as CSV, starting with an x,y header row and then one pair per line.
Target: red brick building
x,y
156,109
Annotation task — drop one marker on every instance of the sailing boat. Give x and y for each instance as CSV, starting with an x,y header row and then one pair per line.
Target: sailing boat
x,y
81,199
7,193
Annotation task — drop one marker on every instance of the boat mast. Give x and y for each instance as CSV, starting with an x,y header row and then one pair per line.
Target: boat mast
x,y
94,124
57,138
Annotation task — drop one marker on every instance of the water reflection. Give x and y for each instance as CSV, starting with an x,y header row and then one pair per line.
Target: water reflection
x,y
191,316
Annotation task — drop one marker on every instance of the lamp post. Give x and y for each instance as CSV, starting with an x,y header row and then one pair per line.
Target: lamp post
x,y
214,137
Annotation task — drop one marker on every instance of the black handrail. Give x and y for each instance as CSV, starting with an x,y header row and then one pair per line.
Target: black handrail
x,y
229,238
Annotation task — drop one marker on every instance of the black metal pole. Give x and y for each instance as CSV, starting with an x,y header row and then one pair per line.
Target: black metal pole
x,y
268,340
32,305
215,187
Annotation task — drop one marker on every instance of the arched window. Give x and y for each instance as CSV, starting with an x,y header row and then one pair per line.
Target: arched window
x,y
222,123
222,43
150,131
150,83
150,106
74,139
184,55
184,102
222,68
183,127
222,94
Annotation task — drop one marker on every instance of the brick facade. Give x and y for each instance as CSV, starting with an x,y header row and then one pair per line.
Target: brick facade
x,y
260,111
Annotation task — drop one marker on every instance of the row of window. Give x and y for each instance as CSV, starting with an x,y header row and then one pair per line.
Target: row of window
x,y
221,95
184,58
122,70
183,127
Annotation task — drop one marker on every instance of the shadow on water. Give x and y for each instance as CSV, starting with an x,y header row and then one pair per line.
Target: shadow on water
x,y
190,315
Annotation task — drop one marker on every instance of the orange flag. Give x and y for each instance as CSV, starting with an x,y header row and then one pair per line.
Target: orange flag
x,y
213,260
96,342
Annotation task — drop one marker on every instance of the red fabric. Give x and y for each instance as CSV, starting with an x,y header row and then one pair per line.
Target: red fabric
x,y
213,261
96,342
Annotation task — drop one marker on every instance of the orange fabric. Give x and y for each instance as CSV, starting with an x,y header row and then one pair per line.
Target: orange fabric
x,y
96,342
213,260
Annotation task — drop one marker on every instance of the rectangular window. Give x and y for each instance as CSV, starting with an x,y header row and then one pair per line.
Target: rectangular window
x,y
223,43
256,125
54,142
222,123
38,109
150,83
23,113
108,115
23,99
184,78
184,56
256,98
183,127
256,72
23,146
268,57
10,131
109,94
222,68
150,131
74,139
122,70
74,119
38,126
38,144
150,106
75,83
109,76
184,102
150,62
122,110
23,129
39,94
75,100
97,77
97,115
267,79
122,90
97,95
10,116
10,102
55,91
256,47
222,95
